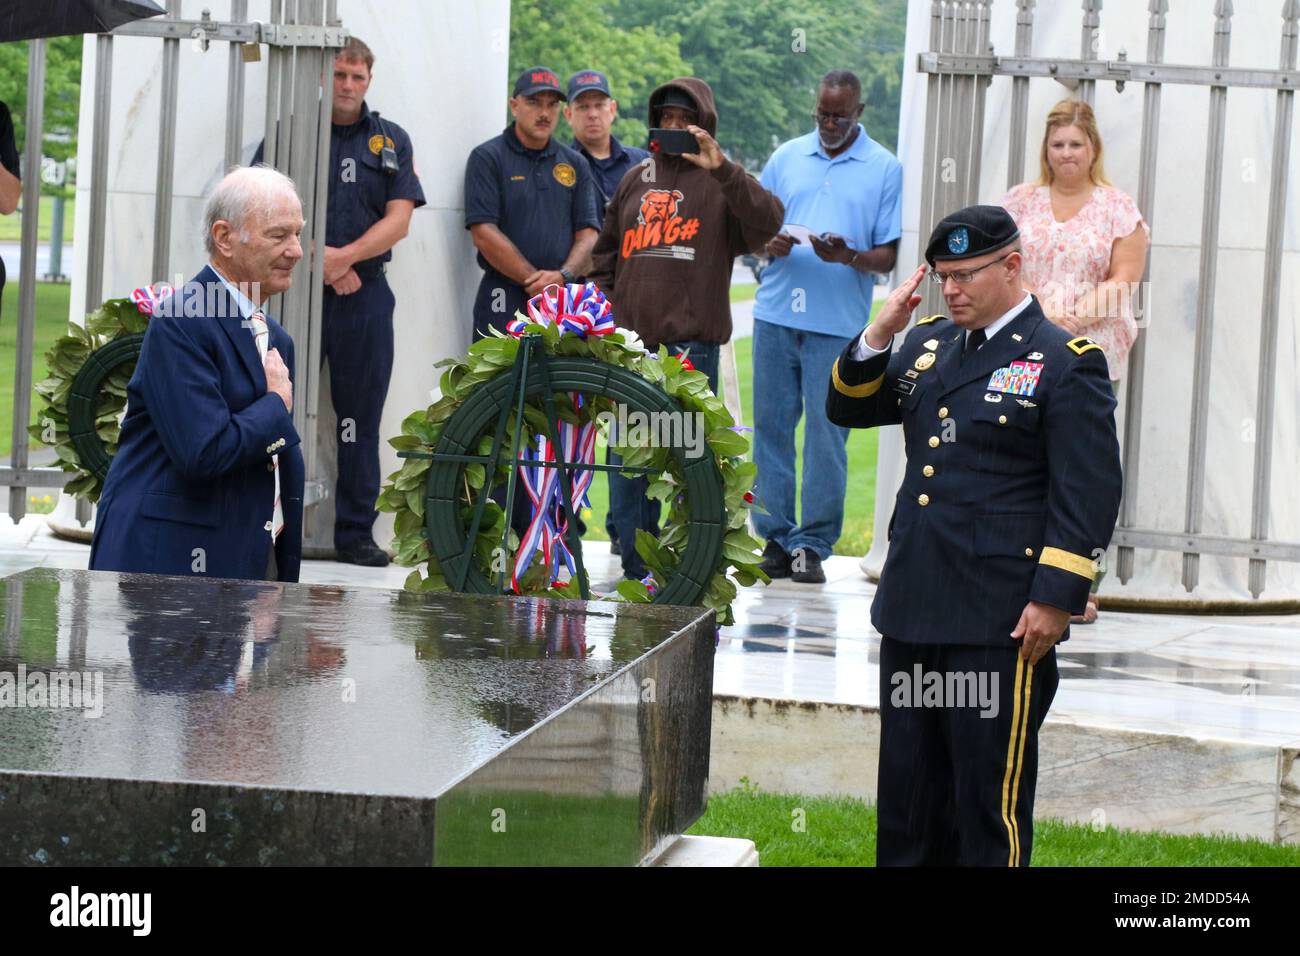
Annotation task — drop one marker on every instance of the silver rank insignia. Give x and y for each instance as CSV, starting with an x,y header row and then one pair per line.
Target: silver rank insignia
x,y
1035,356
992,397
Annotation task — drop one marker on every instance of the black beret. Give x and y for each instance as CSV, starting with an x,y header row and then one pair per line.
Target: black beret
x,y
971,232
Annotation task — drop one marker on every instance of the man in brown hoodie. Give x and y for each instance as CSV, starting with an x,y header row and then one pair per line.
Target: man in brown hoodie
x,y
672,231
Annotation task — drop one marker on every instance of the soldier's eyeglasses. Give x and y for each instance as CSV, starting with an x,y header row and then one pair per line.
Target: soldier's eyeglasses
x,y
962,276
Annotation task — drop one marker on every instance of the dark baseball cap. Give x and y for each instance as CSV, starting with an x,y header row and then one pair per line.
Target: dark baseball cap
x,y
971,232
538,79
584,81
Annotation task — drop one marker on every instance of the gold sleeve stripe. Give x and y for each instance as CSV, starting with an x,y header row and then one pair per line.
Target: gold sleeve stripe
x,y
1067,561
1082,344
854,391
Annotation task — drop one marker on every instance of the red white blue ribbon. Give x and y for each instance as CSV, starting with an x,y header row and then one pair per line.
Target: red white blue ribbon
x,y
148,298
577,308
582,310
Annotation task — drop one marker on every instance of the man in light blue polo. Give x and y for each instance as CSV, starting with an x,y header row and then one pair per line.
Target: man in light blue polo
x,y
842,193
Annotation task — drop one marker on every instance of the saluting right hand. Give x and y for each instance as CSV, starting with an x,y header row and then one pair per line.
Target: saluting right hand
x,y
277,378
897,311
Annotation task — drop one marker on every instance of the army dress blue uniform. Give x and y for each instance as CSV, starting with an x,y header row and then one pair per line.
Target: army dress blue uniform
x,y
1011,492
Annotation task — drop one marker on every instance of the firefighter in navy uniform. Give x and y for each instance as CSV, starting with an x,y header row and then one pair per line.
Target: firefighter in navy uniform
x,y
373,189
1010,496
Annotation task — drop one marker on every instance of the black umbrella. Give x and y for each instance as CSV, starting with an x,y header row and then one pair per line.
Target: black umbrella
x,y
24,20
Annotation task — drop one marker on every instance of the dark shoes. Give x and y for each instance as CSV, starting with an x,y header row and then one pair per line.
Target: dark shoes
x,y
615,548
364,553
806,567
775,561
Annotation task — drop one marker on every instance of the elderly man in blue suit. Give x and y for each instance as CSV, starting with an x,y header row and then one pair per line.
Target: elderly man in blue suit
x,y
208,475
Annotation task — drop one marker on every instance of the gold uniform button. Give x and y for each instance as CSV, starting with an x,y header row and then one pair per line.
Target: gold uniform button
x,y
943,412
928,471
923,500
1029,552
934,441
1002,419
267,526
270,466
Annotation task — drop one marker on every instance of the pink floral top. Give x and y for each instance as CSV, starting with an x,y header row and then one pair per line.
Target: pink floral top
x,y
1066,259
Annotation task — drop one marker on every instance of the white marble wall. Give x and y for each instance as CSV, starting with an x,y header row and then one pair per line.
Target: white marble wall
x,y
440,72
1175,219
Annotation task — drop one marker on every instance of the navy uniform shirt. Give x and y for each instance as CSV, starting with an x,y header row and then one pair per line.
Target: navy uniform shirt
x,y
359,189
537,197
1013,476
609,172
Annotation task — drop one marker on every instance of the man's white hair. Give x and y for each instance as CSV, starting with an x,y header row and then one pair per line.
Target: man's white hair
x,y
244,193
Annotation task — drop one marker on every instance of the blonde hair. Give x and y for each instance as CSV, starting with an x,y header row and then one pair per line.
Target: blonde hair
x,y
1073,113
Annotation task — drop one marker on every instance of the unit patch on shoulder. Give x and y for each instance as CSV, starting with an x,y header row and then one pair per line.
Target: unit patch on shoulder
x,y
930,318
1082,344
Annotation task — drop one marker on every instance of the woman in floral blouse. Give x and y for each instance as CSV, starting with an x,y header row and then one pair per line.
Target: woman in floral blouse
x,y
1085,243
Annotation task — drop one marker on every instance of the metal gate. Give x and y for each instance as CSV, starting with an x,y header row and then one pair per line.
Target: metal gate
x,y
960,66
301,37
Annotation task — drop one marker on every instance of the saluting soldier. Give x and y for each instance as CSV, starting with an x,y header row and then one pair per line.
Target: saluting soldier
x,y
1010,495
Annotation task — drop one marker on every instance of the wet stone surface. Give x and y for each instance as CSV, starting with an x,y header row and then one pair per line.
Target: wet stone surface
x,y
153,720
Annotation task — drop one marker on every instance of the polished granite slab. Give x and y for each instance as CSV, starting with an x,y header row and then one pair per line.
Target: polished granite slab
x,y
250,723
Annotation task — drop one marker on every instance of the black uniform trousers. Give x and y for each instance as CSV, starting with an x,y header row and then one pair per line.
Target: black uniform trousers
x,y
357,341
955,787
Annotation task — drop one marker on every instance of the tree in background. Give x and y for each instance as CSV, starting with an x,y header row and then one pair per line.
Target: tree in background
x,y
763,58
572,35
62,98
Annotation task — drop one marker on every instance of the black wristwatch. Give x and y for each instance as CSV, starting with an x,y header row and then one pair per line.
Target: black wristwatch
x,y
566,275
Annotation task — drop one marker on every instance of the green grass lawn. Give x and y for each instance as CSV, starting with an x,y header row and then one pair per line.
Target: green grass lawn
x,y
11,227
841,831
51,321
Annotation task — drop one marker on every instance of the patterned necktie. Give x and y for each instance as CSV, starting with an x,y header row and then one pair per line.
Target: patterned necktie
x,y
973,342
262,336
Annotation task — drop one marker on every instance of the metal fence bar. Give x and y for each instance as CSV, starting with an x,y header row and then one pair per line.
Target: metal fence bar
x,y
1266,394
979,87
1089,43
162,210
1209,544
309,372
963,106
99,172
1020,95
1119,70
1137,355
1205,293
235,92
31,171
930,159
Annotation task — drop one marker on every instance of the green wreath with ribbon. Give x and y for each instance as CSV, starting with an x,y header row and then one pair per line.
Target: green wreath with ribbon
x,y
456,538
85,391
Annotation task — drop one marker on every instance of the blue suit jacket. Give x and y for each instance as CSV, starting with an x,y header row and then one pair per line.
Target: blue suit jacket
x,y
191,489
